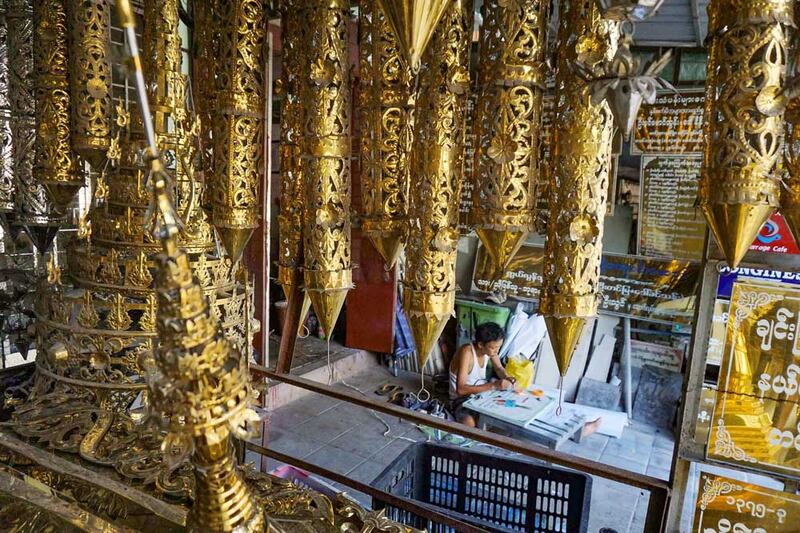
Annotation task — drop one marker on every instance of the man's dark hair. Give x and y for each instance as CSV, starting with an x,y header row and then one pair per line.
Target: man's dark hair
x,y
489,332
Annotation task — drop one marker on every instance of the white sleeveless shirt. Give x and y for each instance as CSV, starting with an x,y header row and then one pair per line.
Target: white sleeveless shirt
x,y
476,376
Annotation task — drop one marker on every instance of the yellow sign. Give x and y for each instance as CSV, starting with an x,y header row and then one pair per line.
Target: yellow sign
x,y
727,505
671,125
648,289
755,421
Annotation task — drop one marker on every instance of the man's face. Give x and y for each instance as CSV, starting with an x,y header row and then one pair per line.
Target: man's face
x,y
491,348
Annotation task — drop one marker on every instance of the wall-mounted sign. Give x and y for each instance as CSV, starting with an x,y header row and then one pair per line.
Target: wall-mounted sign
x,y
755,419
672,125
775,237
470,142
728,276
726,505
648,289
669,224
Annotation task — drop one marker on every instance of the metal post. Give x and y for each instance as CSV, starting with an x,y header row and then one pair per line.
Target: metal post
x,y
626,362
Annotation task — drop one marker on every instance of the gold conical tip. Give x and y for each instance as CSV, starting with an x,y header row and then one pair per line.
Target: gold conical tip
x,y
414,22
736,226
327,306
565,332
501,246
426,328
235,240
389,245
62,193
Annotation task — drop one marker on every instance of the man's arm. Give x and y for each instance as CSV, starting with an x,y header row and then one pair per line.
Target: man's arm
x,y
499,369
462,387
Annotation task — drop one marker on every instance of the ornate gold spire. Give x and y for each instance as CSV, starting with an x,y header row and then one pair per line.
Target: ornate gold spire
x,y
55,164
33,209
511,78
290,217
386,118
326,159
437,169
97,333
414,22
744,119
579,174
90,79
238,123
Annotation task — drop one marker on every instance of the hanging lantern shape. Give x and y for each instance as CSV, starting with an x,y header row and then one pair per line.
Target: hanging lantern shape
x,y
387,122
629,10
437,168
511,77
205,46
90,79
34,211
239,123
578,188
6,152
290,218
744,116
414,22
55,166
326,159
790,195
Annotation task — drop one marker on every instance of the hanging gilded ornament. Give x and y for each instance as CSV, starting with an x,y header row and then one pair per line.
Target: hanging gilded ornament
x,y
511,78
33,209
625,85
629,10
414,22
55,165
290,217
205,47
738,189
790,193
239,123
579,174
6,153
387,128
90,78
437,169
326,159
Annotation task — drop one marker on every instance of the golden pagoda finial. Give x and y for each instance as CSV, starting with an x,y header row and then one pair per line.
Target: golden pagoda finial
x,y
290,217
579,175
511,79
437,169
238,122
386,111
326,159
743,119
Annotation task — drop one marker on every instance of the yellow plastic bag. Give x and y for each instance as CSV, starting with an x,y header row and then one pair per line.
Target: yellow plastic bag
x,y
520,369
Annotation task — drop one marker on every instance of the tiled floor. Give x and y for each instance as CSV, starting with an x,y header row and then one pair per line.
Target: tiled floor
x,y
351,441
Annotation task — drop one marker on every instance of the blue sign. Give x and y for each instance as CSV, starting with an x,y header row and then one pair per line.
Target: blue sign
x,y
728,277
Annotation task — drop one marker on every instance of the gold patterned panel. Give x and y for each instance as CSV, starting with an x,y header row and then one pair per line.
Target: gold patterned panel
x,y
90,78
326,159
508,116
386,122
238,122
205,49
744,119
755,418
725,504
578,179
55,165
290,217
437,164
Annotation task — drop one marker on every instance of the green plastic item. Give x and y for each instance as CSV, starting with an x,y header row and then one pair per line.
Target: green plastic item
x,y
472,314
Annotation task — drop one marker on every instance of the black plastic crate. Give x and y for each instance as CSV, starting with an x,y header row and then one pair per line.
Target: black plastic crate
x,y
491,492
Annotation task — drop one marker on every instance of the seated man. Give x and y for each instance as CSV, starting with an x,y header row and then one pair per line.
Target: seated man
x,y
469,369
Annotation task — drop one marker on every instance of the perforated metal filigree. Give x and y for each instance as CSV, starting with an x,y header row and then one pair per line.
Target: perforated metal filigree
x,y
437,168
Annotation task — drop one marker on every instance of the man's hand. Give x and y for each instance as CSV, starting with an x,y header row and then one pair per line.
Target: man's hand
x,y
505,384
